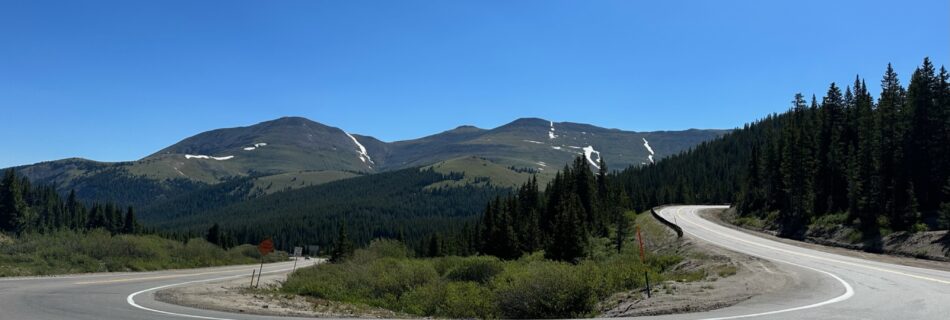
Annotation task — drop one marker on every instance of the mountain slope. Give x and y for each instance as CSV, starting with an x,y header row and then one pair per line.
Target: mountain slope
x,y
294,152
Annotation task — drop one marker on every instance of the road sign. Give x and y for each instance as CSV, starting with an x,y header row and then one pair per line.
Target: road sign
x,y
298,252
266,246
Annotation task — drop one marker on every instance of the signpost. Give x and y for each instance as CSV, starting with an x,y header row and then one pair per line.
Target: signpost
x,y
646,274
298,252
266,246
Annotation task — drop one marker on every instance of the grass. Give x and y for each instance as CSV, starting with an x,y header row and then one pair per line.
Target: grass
x,y
477,170
385,275
64,252
299,179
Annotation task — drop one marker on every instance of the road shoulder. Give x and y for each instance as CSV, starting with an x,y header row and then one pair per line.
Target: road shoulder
x,y
714,278
714,215
235,296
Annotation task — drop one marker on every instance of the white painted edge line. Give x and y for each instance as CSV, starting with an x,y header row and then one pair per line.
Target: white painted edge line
x,y
131,298
848,293
819,257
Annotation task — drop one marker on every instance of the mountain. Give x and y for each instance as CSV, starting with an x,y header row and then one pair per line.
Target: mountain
x,y
545,145
294,152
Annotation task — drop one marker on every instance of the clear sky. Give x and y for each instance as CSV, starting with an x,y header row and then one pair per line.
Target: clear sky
x,y
118,80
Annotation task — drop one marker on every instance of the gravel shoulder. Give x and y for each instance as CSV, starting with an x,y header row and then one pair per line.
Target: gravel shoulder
x,y
236,296
713,278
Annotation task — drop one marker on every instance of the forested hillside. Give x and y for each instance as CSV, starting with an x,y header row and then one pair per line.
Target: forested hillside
x,y
394,204
28,209
881,164
576,206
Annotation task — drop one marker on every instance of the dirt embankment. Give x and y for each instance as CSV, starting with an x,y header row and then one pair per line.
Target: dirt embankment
x,y
708,278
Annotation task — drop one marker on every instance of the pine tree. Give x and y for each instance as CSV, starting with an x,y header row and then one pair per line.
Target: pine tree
x,y
569,242
435,246
864,180
130,224
14,211
214,235
890,115
343,248
796,171
923,139
832,184
621,222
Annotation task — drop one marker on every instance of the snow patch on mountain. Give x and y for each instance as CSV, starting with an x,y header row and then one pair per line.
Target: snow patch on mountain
x,y
541,163
588,151
646,144
555,147
201,156
532,141
551,134
360,149
255,146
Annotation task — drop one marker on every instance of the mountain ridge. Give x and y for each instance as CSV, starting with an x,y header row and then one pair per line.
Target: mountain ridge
x,y
289,145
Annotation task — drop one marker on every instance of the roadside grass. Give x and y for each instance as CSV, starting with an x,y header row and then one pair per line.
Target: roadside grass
x,y
386,275
64,252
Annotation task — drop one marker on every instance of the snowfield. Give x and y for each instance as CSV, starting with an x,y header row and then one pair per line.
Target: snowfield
x,y
201,156
255,146
360,149
646,144
588,151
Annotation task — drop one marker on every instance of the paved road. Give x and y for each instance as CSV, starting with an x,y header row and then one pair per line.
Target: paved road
x,y
105,296
828,286
831,286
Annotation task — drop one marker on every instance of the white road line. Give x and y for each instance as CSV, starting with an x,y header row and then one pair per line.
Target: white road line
x,y
824,258
131,298
849,291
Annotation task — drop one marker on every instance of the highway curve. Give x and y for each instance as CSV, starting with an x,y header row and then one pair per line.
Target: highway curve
x,y
831,286
103,296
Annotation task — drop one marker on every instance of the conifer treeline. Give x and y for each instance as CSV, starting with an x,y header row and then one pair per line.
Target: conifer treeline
x,y
576,205
25,208
884,163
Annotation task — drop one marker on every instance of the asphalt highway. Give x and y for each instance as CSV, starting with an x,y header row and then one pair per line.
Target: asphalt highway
x,y
105,296
829,286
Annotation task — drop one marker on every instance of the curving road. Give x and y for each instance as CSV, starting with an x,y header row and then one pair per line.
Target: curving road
x,y
105,296
830,286
827,286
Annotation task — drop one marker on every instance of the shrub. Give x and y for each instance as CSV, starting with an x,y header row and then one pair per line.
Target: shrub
x,y
468,300
476,269
67,251
544,290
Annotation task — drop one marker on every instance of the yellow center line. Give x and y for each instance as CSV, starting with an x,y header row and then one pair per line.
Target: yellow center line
x,y
821,258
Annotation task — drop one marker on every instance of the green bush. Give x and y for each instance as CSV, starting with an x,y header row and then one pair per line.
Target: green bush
x,y
383,275
61,252
468,300
544,290
476,269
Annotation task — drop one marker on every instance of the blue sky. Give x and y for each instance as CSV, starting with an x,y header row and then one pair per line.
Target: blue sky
x,y
117,80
